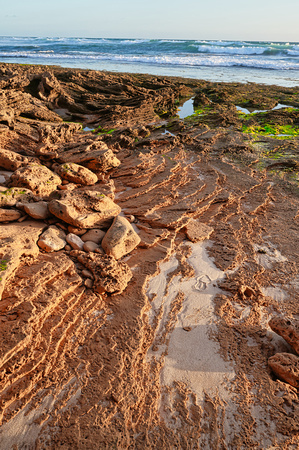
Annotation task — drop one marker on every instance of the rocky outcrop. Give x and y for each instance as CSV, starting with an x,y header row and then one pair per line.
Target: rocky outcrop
x,y
120,239
84,209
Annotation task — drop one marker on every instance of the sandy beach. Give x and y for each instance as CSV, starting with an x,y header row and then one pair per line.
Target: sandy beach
x,y
148,262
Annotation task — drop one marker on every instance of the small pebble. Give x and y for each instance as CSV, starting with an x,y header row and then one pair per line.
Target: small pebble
x,y
68,248
90,246
87,274
88,283
95,235
75,242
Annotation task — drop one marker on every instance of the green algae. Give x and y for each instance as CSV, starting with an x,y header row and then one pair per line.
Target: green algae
x,y
104,131
277,131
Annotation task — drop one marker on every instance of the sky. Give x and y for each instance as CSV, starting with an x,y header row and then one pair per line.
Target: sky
x,y
270,20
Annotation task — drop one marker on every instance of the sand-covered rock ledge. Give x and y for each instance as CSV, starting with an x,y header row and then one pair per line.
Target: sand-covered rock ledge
x,y
148,263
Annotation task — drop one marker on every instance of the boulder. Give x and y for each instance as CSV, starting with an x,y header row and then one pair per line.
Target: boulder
x,y
76,174
120,239
84,209
109,275
52,240
11,160
38,210
95,235
41,180
286,367
197,231
12,196
9,215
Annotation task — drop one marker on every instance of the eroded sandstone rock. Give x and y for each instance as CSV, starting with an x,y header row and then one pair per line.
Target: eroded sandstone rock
x,y
109,275
17,240
84,209
286,367
41,180
96,156
120,239
77,174
197,231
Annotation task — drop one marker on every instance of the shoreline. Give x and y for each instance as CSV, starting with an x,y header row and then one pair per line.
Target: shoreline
x,y
167,339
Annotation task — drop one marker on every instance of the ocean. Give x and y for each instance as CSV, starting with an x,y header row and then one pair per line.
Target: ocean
x,y
235,61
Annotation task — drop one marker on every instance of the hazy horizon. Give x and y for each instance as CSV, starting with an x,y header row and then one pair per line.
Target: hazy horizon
x,y
192,20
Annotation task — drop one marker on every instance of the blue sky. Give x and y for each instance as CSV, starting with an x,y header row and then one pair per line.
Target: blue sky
x,y
274,20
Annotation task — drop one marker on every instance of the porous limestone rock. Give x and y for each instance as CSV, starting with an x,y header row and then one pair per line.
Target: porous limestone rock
x,y
41,180
95,235
76,174
84,209
287,329
75,241
14,195
11,160
38,210
109,275
9,215
197,231
286,367
120,239
52,240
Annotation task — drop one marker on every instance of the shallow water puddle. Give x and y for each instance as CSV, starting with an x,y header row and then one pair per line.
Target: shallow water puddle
x,y
188,353
254,111
187,109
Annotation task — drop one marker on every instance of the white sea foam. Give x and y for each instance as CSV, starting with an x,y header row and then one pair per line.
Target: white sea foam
x,y
166,59
233,50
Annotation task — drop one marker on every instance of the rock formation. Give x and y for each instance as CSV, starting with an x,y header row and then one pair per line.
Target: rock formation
x,y
142,260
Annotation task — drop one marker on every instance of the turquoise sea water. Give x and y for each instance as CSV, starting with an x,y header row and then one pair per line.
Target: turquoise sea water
x,y
262,62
